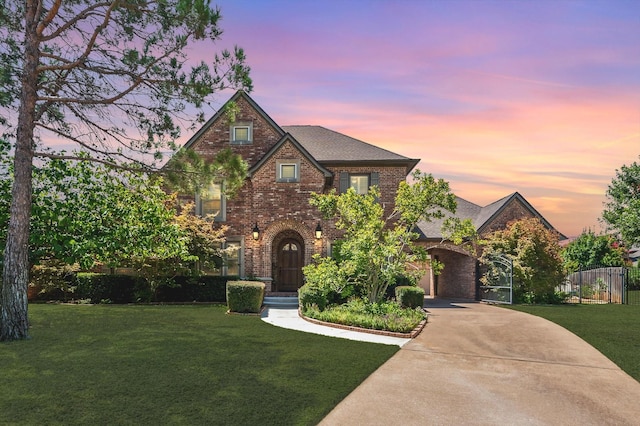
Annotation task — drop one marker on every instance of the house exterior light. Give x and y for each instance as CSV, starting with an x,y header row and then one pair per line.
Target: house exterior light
x,y
256,232
318,231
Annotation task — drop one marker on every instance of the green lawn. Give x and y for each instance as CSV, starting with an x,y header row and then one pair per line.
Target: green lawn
x,y
612,329
174,365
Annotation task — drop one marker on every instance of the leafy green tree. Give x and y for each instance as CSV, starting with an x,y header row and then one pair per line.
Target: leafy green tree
x,y
590,250
84,213
375,251
535,253
622,210
111,77
204,241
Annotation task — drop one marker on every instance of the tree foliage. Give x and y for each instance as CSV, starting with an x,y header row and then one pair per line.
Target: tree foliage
x,y
109,77
589,250
113,76
622,209
535,253
376,251
85,213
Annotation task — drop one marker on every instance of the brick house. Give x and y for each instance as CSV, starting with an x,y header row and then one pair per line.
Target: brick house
x,y
275,230
271,223
460,277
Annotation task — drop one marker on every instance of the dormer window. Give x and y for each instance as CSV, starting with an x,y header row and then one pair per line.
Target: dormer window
x,y
241,133
287,170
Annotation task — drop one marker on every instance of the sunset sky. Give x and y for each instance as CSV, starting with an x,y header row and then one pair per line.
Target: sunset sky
x,y
539,97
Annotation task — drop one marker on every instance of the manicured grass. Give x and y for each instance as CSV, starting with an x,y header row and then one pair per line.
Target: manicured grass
x,y
174,365
612,329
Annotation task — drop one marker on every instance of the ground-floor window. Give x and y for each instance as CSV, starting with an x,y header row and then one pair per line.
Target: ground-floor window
x,y
230,263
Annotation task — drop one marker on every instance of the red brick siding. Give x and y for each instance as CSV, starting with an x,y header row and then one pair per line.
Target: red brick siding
x,y
513,211
458,278
217,136
390,178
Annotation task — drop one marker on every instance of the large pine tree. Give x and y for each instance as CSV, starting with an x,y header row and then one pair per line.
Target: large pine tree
x,y
109,77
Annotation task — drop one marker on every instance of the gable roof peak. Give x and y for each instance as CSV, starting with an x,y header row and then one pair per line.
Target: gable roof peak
x,y
287,137
223,110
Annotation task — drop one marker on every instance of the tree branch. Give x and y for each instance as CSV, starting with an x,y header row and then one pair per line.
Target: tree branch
x,y
97,160
77,18
49,18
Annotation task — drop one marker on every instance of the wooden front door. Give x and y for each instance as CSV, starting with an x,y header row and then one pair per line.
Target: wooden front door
x,y
290,261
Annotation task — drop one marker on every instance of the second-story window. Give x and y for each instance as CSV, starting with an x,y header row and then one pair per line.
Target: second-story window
x,y
211,203
360,182
287,171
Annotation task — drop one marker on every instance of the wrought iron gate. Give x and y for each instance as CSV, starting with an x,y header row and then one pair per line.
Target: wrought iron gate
x,y
498,281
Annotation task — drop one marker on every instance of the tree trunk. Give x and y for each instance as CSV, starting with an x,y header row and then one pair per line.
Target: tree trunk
x,y
14,323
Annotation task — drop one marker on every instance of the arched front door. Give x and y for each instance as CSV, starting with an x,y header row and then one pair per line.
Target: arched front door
x,y
289,262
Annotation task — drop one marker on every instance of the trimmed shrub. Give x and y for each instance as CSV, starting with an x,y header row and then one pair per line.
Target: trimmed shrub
x,y
410,296
109,288
104,288
206,288
400,280
245,296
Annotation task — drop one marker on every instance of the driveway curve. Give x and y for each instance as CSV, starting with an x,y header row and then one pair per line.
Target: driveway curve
x,y
479,364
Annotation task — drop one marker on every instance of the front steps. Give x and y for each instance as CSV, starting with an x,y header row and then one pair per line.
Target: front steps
x,y
281,301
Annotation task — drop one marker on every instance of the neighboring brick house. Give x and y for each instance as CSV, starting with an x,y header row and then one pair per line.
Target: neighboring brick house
x,y
460,277
270,220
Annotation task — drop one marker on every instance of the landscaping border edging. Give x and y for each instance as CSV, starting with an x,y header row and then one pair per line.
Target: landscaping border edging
x,y
414,333
255,314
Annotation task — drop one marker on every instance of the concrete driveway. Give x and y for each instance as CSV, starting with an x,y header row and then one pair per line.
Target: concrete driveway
x,y
478,364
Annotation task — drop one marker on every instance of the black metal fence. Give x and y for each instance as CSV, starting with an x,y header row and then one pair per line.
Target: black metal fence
x,y
603,285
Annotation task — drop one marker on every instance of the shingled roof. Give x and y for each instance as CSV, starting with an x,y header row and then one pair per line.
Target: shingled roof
x,y
481,217
329,146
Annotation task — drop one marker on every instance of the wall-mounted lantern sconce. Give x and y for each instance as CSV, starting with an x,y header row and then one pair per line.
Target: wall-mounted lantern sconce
x,y
318,231
256,232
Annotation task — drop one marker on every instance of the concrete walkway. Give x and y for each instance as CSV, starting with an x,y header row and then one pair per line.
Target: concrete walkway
x,y
477,364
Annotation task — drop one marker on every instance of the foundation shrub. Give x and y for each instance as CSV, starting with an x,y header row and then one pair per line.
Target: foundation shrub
x,y
62,285
205,288
410,296
105,288
245,296
399,281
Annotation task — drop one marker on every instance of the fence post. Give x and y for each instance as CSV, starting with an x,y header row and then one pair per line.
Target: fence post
x,y
625,285
609,270
580,284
